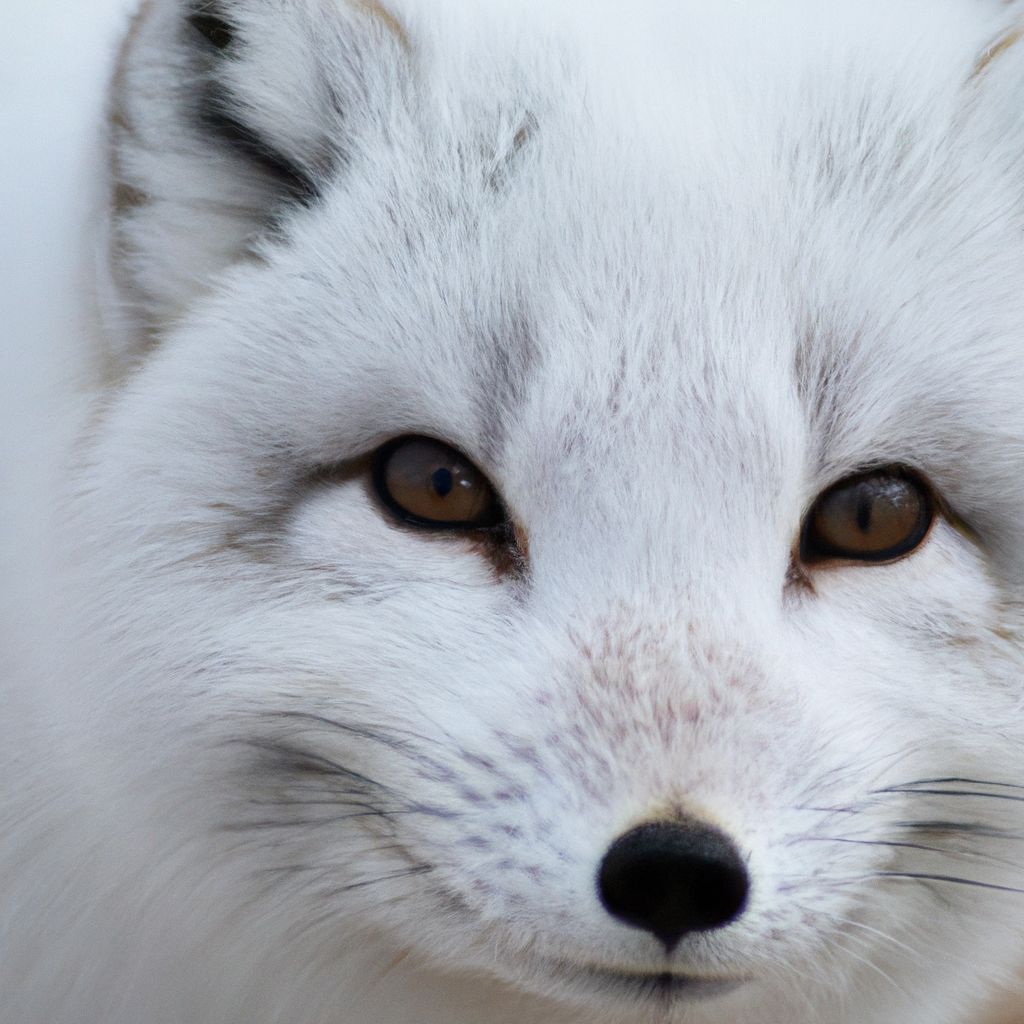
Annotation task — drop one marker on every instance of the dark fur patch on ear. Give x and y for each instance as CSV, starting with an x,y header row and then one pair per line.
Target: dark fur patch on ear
x,y
215,29
219,119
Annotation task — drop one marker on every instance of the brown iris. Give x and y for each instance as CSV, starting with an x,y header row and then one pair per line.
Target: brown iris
x,y
428,483
872,517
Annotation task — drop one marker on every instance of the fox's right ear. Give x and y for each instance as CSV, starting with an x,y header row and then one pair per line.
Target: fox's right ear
x,y
228,115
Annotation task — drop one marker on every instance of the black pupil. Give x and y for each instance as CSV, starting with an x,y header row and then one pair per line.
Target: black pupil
x,y
864,506
443,482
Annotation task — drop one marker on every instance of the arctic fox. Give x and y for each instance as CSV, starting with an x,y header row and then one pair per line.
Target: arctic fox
x,y
549,543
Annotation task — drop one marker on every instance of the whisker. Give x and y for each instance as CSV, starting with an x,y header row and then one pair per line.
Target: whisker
x,y
952,792
849,809
299,760
943,851
325,868
391,738
952,780
418,869
891,760
849,922
952,879
972,828
331,913
424,809
872,842
848,951
244,826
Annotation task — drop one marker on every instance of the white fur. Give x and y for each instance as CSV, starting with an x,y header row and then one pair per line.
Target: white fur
x,y
665,272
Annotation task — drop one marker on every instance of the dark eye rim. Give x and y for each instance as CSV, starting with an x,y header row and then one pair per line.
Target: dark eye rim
x,y
494,520
812,554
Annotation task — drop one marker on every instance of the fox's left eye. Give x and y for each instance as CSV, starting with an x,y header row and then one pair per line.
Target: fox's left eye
x,y
872,517
427,483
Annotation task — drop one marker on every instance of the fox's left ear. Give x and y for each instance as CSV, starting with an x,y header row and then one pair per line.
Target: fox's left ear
x,y
229,116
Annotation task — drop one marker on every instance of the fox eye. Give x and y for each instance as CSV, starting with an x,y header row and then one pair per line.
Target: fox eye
x,y
872,517
427,483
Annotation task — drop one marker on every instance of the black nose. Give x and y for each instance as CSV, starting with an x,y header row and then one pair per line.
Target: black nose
x,y
672,878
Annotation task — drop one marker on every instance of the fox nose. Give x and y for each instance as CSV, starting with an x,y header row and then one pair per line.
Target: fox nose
x,y
673,878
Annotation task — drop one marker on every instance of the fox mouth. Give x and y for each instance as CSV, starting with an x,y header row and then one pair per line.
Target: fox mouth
x,y
660,986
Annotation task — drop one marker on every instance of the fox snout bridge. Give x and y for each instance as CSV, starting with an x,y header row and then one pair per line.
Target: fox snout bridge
x,y
673,878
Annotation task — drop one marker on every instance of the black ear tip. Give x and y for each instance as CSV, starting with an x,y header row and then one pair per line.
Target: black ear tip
x,y
215,30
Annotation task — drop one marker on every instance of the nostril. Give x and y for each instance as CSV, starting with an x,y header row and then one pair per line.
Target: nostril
x,y
673,878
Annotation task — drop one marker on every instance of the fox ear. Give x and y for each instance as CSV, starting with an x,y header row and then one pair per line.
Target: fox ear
x,y
229,116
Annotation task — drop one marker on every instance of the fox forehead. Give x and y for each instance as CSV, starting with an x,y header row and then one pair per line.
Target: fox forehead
x,y
653,251
626,270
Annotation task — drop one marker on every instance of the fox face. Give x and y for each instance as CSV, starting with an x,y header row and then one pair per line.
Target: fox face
x,y
550,549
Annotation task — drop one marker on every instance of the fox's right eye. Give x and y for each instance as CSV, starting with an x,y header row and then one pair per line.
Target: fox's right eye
x,y
877,516
428,483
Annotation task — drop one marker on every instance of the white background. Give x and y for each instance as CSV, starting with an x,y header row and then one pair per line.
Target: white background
x,y
56,58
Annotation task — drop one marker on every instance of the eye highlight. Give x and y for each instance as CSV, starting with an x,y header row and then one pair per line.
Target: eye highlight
x,y
427,483
876,516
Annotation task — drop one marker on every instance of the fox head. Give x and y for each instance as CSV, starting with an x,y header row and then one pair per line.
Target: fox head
x,y
551,549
